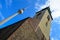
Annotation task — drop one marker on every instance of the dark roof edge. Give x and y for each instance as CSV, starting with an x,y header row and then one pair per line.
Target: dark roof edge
x,y
16,22
48,11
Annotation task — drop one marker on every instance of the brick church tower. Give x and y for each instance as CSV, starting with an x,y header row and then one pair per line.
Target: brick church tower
x,y
36,28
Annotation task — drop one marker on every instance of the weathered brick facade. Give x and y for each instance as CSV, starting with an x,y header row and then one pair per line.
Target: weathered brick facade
x,y
28,29
27,32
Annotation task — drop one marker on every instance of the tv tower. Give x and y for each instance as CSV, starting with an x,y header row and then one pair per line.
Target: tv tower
x,y
10,17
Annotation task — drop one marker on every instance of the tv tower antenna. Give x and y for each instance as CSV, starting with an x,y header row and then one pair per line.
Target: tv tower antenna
x,y
10,17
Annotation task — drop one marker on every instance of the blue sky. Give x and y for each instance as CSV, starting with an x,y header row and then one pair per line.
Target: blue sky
x,y
10,7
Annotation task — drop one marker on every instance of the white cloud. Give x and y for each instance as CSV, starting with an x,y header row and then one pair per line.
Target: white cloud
x,y
39,7
8,2
55,8
52,38
46,4
57,20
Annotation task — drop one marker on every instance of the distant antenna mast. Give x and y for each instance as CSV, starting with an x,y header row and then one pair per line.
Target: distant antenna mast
x,y
7,19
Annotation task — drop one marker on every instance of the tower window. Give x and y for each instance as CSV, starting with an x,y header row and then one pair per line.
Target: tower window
x,y
48,17
46,24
